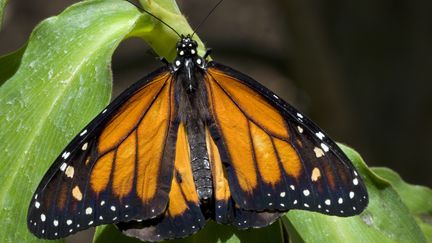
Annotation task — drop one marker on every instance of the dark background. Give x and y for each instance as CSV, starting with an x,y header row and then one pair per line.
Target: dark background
x,y
362,70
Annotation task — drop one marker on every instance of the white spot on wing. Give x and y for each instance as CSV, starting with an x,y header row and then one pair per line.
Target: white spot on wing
x,y
318,152
282,194
306,192
68,222
88,210
65,155
83,132
63,167
351,194
355,181
327,202
84,147
340,200
55,223
76,193
324,147
292,187
299,115
37,204
316,174
300,129
113,208
43,217
320,135
70,171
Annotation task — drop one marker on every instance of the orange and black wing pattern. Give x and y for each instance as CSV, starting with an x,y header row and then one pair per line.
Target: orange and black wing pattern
x,y
267,156
183,215
119,168
191,141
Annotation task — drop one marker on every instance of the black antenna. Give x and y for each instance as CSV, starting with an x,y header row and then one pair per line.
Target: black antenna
x,y
145,11
206,17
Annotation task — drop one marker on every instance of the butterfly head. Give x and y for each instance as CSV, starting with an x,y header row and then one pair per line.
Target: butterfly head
x,y
187,55
187,47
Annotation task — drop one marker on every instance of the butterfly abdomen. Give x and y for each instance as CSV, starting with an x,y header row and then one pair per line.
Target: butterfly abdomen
x,y
200,162
193,112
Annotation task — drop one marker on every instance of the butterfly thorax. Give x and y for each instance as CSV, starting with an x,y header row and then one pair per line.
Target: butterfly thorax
x,y
187,57
192,108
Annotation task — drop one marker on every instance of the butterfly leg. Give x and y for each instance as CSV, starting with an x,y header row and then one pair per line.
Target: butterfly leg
x,y
164,61
207,53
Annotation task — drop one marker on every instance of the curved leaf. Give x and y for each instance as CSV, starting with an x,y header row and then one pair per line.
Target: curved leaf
x,y
386,219
63,81
418,199
9,64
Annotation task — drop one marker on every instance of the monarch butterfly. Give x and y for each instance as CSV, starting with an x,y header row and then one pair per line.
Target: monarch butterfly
x,y
192,141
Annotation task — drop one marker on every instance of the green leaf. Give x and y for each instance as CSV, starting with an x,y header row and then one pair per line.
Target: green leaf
x,y
212,232
162,39
9,64
386,219
418,199
3,4
63,81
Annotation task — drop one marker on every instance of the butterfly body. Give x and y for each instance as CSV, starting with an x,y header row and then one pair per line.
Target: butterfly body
x,y
191,100
192,141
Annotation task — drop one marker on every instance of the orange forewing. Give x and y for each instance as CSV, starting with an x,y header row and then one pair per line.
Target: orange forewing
x,y
100,175
237,137
266,156
256,140
249,101
130,114
142,119
152,133
125,166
